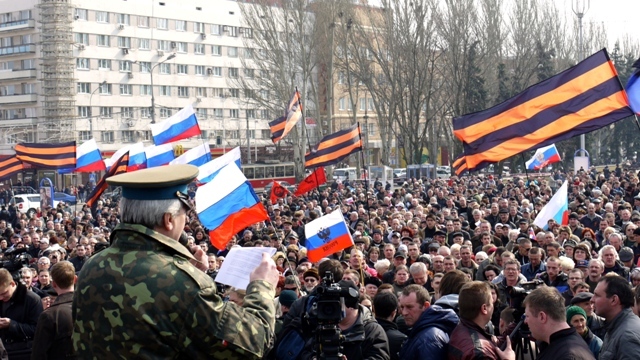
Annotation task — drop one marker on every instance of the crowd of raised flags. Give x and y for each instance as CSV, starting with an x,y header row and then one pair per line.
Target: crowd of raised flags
x,y
547,112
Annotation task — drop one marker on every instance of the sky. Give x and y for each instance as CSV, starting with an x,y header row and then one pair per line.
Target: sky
x,y
619,17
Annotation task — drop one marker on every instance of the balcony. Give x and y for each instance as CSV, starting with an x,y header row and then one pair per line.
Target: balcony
x,y
17,50
17,74
16,99
32,121
18,25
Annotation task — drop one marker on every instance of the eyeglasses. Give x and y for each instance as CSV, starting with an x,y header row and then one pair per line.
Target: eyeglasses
x,y
310,280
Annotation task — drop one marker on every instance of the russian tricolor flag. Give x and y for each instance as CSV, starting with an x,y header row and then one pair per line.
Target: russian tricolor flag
x,y
137,157
182,125
197,156
543,157
633,88
209,170
327,235
116,156
88,158
557,209
227,205
159,155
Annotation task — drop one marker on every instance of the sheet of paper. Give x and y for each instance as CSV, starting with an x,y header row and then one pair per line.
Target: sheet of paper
x,y
238,265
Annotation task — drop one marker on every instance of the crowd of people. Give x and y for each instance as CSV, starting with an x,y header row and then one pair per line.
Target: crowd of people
x,y
434,263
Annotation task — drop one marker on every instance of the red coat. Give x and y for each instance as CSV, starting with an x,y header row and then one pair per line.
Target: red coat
x,y
469,341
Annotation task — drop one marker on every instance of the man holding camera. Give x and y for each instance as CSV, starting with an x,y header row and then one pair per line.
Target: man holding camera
x,y
363,337
545,315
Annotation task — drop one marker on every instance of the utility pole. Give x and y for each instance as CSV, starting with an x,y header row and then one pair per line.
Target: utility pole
x,y
153,99
580,8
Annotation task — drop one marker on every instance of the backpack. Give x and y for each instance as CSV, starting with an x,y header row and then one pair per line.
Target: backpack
x,y
290,343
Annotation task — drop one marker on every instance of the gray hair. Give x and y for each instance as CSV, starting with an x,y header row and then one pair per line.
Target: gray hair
x,y
148,212
418,268
607,247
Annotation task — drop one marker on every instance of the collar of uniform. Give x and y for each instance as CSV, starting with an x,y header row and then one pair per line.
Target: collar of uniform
x,y
165,240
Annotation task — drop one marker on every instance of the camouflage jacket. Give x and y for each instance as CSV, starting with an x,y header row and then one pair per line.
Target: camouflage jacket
x,y
142,298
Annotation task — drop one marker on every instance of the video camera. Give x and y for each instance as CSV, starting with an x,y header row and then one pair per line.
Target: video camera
x,y
517,294
328,311
15,259
521,333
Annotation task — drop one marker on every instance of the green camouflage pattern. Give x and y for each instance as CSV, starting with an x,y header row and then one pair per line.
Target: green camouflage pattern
x,y
143,299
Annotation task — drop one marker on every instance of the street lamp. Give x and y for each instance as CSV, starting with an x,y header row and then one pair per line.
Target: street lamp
x,y
366,134
153,99
91,109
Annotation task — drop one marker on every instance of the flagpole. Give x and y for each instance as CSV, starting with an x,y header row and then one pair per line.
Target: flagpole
x,y
284,251
527,174
304,123
366,177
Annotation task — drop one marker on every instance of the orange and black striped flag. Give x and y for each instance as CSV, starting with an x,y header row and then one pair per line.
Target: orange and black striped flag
x,y
48,156
119,167
281,126
335,147
581,99
9,167
277,128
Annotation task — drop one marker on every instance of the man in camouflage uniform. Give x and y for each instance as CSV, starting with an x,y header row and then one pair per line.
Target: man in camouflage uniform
x,y
148,296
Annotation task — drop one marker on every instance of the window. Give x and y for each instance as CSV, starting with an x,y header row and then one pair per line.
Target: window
x,y
105,89
199,49
165,68
126,112
28,88
200,70
84,88
106,111
82,14
165,113
145,113
163,45
201,113
145,89
232,51
25,14
363,103
83,111
216,71
233,73
181,25
341,78
370,101
127,136
162,24
251,113
182,47
264,114
102,16
265,133
124,42
217,92
85,135
104,64
144,44
104,40
234,93
145,67
198,27
123,19
126,89
183,91
248,53
341,103
216,29
107,136
143,21
216,50
165,90
372,129
234,113
182,69
264,94
217,113
233,31
82,38
124,65
201,91
249,73
28,64
82,64
249,93
247,33
233,134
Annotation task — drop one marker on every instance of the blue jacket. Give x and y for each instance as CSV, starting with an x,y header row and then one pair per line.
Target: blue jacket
x,y
430,334
530,273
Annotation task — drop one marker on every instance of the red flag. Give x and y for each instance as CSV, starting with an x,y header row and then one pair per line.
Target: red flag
x,y
278,191
315,179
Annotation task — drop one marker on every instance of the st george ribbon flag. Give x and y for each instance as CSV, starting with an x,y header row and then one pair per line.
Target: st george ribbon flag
x,y
335,147
197,156
120,166
327,235
544,157
315,179
557,209
228,204
48,156
281,126
10,167
209,170
182,125
581,99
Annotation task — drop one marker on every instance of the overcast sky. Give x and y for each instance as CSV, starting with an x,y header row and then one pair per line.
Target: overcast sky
x,y
619,17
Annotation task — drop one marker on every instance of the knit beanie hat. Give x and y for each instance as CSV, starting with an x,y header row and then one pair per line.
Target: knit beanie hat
x,y
575,310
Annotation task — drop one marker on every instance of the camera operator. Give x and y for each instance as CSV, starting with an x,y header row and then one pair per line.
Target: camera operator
x,y
545,315
363,338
